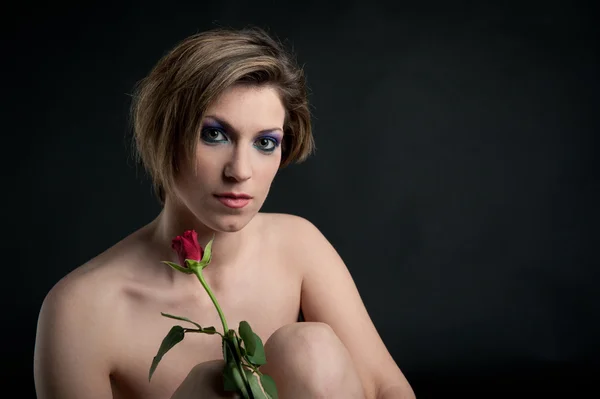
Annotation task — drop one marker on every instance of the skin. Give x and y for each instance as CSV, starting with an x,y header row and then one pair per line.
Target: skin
x,y
100,326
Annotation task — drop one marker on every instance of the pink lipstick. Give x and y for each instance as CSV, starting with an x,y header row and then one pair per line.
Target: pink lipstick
x,y
234,200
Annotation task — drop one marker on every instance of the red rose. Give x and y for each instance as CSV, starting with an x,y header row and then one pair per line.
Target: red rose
x,y
187,247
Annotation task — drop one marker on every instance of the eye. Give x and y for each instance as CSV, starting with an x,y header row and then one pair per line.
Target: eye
x,y
266,144
213,135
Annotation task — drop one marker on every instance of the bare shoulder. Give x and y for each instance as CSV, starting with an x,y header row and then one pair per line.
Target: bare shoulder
x,y
291,227
330,295
299,239
75,332
93,284
74,308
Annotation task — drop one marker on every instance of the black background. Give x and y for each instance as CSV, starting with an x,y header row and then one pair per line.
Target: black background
x,y
455,170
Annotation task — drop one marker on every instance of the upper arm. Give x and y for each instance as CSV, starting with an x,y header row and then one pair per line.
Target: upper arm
x,y
70,358
330,295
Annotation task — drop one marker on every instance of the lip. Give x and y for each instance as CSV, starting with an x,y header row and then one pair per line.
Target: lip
x,y
234,195
234,201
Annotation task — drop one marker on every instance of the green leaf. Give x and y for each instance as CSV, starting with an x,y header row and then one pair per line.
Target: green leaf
x,y
232,378
257,392
177,267
183,319
228,339
237,378
209,330
228,381
225,351
259,357
248,337
174,336
207,254
269,386
230,335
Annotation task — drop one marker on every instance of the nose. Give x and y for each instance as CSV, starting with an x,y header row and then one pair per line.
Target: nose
x,y
239,167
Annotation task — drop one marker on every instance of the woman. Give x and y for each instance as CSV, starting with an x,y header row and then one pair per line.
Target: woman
x,y
214,121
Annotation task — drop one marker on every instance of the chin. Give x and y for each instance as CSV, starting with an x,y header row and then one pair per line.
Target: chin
x,y
233,223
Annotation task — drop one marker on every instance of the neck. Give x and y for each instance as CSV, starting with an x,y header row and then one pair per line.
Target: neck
x,y
174,219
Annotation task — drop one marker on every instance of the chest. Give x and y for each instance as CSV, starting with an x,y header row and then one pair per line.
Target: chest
x,y
267,298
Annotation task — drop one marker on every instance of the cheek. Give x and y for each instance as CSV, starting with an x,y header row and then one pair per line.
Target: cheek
x,y
207,165
269,169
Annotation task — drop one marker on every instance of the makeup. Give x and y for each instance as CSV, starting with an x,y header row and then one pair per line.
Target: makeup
x,y
219,123
276,136
234,202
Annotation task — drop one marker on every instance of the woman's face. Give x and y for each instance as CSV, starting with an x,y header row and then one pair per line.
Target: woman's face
x,y
239,152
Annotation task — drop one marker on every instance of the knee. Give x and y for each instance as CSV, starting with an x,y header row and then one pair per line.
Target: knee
x,y
309,351
310,339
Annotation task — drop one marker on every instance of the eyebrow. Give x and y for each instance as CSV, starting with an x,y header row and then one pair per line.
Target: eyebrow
x,y
230,128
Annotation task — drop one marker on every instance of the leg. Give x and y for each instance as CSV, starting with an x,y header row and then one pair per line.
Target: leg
x,y
307,360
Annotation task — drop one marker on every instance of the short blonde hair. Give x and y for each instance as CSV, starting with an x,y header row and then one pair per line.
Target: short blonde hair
x,y
169,104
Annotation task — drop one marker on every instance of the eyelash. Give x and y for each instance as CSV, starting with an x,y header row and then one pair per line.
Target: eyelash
x,y
212,141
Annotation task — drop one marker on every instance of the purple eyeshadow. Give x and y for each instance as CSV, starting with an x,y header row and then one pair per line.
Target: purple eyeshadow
x,y
213,124
274,136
